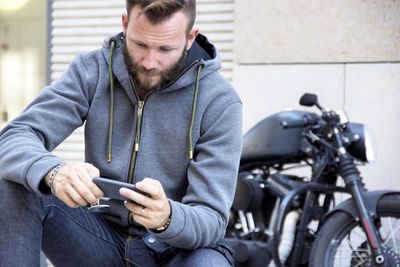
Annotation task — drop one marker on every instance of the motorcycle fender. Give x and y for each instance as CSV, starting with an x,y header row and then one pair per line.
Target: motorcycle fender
x,y
371,201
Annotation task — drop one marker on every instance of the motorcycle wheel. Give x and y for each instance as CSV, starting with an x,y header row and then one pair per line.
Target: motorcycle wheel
x,y
342,242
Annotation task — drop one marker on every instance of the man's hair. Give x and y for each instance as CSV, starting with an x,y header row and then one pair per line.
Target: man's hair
x,y
158,11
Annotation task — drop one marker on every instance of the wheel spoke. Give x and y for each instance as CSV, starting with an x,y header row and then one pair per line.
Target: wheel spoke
x,y
359,264
343,242
360,257
392,233
352,250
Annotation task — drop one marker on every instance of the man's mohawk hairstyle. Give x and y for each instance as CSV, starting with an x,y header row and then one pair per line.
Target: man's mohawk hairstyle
x,y
158,11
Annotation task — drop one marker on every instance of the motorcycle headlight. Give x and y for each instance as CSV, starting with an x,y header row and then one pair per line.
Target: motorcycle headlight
x,y
369,147
361,142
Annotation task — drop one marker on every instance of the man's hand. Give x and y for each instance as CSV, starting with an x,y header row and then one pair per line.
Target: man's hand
x,y
151,212
73,184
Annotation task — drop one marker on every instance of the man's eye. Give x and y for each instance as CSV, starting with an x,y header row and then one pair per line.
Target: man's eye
x,y
165,50
140,45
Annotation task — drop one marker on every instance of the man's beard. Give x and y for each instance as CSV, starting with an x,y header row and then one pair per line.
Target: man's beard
x,y
143,79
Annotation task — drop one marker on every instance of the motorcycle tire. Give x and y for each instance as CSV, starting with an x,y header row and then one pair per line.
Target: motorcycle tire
x,y
342,242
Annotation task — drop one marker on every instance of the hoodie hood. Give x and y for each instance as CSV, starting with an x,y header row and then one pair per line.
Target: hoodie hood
x,y
202,53
201,60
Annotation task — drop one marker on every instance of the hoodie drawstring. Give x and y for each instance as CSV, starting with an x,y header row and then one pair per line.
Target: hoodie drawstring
x,y
111,112
194,104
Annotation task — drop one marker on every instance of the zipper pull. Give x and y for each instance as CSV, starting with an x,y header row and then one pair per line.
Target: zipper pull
x,y
140,108
139,124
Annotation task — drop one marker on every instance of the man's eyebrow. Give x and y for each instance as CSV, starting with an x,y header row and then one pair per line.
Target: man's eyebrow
x,y
163,47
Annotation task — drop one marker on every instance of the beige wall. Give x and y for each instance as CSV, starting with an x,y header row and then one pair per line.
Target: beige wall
x,y
293,31
22,55
311,46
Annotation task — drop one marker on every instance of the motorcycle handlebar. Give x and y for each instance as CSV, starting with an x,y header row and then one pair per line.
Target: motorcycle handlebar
x,y
307,120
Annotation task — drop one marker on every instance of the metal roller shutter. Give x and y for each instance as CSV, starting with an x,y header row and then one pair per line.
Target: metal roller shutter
x,y
78,26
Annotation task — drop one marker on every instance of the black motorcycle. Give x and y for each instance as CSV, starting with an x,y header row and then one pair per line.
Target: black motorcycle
x,y
283,219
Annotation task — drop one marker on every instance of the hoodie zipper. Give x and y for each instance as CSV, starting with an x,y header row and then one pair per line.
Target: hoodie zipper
x,y
140,107
135,150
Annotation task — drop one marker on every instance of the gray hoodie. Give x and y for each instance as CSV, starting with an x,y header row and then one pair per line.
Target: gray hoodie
x,y
128,141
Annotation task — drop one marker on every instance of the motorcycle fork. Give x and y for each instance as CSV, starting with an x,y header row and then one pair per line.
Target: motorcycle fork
x,y
352,179
367,222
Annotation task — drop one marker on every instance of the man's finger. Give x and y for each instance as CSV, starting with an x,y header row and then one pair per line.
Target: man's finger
x,y
92,170
81,188
76,197
68,201
151,181
141,220
86,176
137,209
135,196
152,187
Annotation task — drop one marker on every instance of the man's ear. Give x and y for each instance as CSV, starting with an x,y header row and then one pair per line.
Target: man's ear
x,y
192,37
124,23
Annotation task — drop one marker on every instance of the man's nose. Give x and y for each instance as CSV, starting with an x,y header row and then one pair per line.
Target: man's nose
x,y
150,60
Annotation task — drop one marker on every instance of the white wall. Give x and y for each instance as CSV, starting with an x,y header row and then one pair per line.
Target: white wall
x,y
370,93
22,56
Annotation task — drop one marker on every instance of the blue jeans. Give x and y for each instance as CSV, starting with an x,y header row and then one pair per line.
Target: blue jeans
x,y
75,237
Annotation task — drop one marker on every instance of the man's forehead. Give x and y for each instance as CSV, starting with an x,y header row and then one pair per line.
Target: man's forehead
x,y
165,33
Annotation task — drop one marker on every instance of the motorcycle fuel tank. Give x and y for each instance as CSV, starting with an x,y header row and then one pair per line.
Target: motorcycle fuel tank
x,y
269,141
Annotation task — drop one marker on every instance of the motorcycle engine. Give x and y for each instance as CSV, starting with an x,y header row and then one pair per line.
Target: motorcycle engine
x,y
249,194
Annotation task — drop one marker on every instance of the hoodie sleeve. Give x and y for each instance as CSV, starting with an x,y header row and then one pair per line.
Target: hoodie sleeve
x,y
26,142
202,216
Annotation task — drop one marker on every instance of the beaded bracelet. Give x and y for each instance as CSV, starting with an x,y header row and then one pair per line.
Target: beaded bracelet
x,y
53,174
165,226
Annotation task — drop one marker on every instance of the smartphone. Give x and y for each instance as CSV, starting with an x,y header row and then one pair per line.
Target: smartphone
x,y
111,188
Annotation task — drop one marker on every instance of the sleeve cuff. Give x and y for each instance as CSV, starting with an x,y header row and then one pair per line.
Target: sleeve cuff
x,y
38,171
176,225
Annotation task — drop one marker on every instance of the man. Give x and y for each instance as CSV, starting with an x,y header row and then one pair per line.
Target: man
x,y
157,114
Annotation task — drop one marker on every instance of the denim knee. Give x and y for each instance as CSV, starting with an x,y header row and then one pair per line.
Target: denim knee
x,y
17,199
